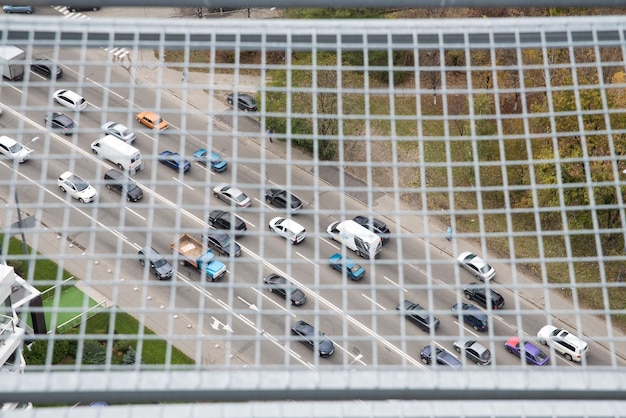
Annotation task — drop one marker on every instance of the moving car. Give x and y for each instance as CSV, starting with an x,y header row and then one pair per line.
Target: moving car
x,y
46,68
232,195
245,102
532,353
282,199
18,9
375,225
478,293
221,219
76,187
83,8
210,158
70,99
418,315
118,182
472,316
440,355
353,270
286,289
175,161
119,131
288,229
57,121
563,342
308,336
158,264
474,351
476,265
14,150
152,120
222,242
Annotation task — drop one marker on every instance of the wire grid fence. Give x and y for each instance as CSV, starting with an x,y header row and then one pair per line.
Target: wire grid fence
x,y
498,129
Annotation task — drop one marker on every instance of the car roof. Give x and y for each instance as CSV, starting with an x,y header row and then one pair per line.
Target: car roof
x,y
114,174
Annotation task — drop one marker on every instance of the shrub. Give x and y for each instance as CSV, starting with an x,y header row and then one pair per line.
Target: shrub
x,y
94,352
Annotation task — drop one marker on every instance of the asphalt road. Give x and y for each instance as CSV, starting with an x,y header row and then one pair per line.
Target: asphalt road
x,y
252,325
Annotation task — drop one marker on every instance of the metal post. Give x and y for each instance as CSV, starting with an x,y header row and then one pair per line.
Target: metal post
x,y
19,219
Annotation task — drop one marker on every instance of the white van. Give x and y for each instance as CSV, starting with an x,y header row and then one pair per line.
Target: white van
x,y
124,155
357,238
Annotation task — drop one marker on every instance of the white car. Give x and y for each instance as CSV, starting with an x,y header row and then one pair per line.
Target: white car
x,y
119,131
232,195
77,187
292,231
69,99
477,266
564,342
15,150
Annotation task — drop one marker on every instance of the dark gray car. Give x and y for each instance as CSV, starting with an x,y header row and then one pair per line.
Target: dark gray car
x,y
222,242
118,182
158,264
474,351
308,335
280,285
418,315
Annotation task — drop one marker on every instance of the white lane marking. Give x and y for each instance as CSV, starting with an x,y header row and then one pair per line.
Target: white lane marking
x,y
203,167
307,259
331,243
274,302
181,183
466,329
374,302
395,284
135,213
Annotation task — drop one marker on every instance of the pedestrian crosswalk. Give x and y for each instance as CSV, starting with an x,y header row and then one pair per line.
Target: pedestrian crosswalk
x,y
118,54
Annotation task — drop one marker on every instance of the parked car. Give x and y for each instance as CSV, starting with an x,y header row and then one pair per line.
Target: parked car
x,y
232,195
309,336
76,187
119,131
563,342
471,315
70,99
440,355
57,121
478,293
476,265
221,219
157,263
152,120
118,182
211,159
290,230
83,8
532,353
245,102
375,225
282,199
283,287
175,161
46,68
354,271
18,9
14,150
418,315
474,351
222,242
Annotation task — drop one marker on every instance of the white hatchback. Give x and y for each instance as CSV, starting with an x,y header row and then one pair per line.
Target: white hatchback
x,y
69,99
292,231
77,187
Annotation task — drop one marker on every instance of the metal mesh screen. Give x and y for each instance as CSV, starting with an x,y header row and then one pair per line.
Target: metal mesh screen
x,y
499,137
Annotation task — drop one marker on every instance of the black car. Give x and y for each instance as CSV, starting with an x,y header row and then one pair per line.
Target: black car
x,y
375,225
158,264
442,357
307,335
57,121
46,68
283,287
221,219
418,315
282,199
222,243
478,293
245,102
83,8
471,315
118,182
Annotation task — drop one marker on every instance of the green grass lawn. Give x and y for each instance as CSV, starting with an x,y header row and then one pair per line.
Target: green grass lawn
x,y
72,303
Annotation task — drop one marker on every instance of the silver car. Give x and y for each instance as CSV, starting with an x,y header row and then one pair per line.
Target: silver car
x,y
233,195
119,131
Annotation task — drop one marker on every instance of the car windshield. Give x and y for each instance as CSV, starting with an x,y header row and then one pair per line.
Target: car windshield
x,y
158,121
15,148
80,184
215,158
131,185
540,356
355,268
126,132
240,197
485,269
160,262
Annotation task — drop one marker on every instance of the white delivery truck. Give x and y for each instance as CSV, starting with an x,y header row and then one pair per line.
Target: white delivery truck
x,y
12,62
124,155
357,238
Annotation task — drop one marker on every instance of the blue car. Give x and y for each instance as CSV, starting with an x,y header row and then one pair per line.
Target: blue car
x,y
218,164
18,9
532,353
175,161
353,270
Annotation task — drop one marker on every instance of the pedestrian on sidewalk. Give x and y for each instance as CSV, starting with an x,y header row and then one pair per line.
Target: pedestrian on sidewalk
x,y
270,134
184,76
